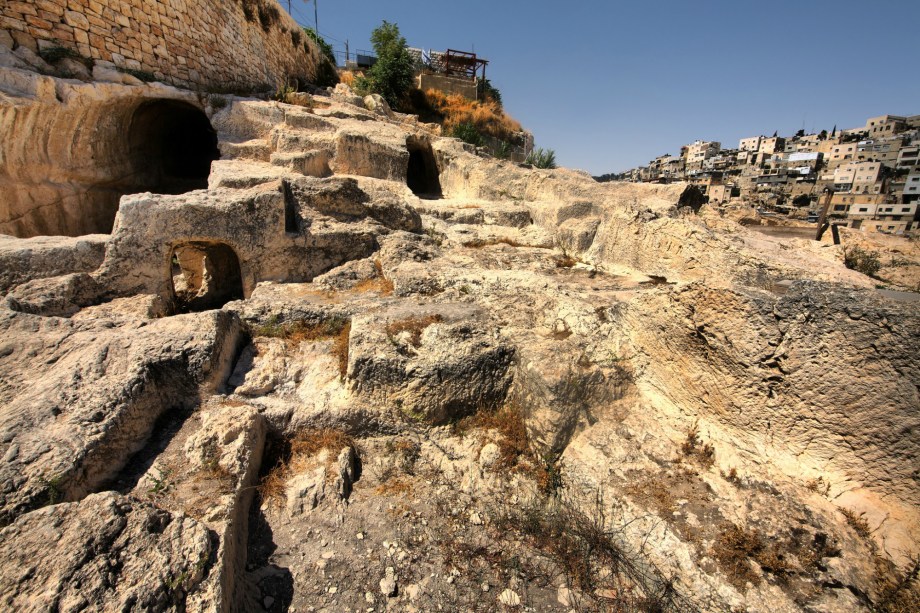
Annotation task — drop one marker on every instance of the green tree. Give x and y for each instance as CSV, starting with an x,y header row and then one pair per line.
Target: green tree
x,y
489,91
392,76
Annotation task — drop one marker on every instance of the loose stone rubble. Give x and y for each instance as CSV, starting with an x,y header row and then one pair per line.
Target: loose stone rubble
x,y
311,388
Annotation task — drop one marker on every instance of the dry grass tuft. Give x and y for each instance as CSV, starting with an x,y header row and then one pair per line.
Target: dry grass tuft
x,y
340,349
733,550
735,547
347,77
694,447
414,326
565,261
394,487
657,493
479,243
857,522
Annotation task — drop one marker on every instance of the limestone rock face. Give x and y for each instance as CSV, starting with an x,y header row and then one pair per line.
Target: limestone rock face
x,y
822,380
82,396
435,364
368,351
42,257
106,550
49,129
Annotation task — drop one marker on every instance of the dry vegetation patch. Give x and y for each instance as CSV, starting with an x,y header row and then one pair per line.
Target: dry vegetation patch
x,y
379,283
452,110
336,329
297,454
694,447
516,453
586,549
479,243
414,326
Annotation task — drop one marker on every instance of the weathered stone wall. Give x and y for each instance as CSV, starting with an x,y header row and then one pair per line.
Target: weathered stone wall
x,y
213,44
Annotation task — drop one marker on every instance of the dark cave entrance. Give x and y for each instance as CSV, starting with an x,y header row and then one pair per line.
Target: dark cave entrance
x,y
204,276
422,172
171,147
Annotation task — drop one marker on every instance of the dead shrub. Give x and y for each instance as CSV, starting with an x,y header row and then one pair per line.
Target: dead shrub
x,y
733,550
693,447
857,522
581,545
515,450
414,326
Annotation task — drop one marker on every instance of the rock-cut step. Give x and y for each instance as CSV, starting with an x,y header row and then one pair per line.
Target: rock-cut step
x,y
311,163
256,149
477,212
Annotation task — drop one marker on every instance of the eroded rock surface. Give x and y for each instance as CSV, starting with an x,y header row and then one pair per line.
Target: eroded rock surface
x,y
417,378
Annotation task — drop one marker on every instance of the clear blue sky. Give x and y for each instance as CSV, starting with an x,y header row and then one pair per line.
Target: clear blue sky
x,y
610,85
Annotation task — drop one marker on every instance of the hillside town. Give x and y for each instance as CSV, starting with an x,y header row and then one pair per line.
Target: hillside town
x,y
868,177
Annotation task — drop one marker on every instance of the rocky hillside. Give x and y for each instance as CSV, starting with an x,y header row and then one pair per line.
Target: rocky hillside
x,y
371,368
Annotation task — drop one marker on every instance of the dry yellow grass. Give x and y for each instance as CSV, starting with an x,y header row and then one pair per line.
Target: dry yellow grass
x,y
487,117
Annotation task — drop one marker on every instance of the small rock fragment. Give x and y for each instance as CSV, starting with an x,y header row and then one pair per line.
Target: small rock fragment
x,y
509,598
388,583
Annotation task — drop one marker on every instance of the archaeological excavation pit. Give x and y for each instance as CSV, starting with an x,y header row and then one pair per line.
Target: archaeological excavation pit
x,y
172,145
422,172
204,276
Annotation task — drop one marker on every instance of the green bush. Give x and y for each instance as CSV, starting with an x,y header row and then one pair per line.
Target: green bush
x,y
542,158
392,76
503,152
468,133
860,260
324,47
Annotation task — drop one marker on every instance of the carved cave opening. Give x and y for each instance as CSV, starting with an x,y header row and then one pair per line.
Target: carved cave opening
x,y
171,147
422,172
204,276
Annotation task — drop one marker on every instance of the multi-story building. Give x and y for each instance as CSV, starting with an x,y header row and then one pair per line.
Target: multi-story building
x,y
699,151
911,191
879,150
750,144
858,177
885,125
804,163
842,153
908,157
772,145
720,194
